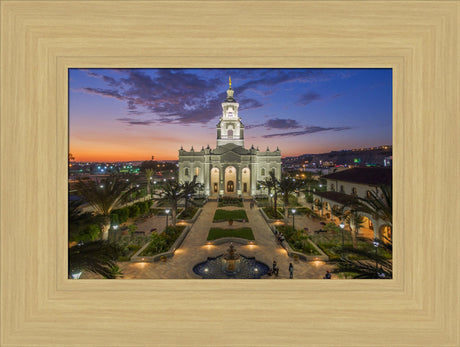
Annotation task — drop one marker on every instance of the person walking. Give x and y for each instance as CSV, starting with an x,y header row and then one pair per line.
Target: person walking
x,y
291,270
327,276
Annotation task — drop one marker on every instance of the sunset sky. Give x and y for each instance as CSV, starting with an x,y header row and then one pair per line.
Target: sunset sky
x,y
132,114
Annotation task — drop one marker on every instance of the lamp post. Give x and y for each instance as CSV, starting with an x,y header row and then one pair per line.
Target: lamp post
x,y
293,218
167,214
343,240
376,245
154,188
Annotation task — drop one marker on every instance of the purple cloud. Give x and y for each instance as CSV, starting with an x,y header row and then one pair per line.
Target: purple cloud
x,y
278,123
309,97
307,130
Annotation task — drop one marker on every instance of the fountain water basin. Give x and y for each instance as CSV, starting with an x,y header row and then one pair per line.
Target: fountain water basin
x,y
231,265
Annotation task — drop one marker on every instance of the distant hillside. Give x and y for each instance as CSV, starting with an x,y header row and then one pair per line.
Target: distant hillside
x,y
367,156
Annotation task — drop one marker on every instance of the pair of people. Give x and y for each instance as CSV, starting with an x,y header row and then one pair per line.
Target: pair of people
x,y
276,270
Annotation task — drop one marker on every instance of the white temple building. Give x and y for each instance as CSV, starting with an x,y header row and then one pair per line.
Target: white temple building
x,y
229,169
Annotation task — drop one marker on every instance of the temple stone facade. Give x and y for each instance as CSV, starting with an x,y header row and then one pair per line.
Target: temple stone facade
x,y
229,169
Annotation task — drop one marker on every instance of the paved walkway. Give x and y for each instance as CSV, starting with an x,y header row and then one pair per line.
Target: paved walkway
x,y
195,250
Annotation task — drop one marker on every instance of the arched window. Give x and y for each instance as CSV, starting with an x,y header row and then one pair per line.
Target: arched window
x,y
197,171
354,191
186,171
230,134
332,188
342,190
273,170
368,193
262,172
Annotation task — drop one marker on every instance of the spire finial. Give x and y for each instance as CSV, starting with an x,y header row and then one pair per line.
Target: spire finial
x,y
230,81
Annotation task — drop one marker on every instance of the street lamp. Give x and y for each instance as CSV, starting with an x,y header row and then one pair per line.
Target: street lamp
x,y
376,245
154,188
293,219
167,214
343,240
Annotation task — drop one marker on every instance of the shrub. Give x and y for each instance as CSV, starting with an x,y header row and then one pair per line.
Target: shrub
x,y
114,219
270,212
123,214
133,211
143,207
89,232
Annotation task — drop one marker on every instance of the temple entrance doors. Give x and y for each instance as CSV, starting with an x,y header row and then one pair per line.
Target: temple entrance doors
x,y
214,181
230,181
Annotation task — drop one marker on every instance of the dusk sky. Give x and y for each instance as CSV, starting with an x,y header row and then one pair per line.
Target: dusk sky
x,y
132,114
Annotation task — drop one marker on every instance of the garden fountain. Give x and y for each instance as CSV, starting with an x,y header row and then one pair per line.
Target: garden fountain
x,y
231,265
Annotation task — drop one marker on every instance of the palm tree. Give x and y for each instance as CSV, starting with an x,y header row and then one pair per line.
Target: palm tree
x,y
96,256
355,220
379,203
319,206
105,195
338,211
172,194
371,263
188,190
287,186
149,175
266,184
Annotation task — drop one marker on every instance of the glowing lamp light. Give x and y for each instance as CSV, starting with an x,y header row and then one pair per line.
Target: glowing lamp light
x,y
76,276
342,225
167,211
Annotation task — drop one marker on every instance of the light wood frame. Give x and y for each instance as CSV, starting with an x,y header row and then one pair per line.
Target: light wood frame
x,y
40,40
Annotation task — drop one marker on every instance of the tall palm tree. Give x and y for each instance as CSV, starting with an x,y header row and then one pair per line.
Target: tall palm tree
x,y
287,186
188,190
171,195
355,221
149,175
106,195
96,256
266,184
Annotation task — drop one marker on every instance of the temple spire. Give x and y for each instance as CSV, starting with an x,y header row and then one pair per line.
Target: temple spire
x,y
230,82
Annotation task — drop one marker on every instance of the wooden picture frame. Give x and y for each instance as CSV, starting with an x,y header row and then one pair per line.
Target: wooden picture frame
x,y
40,40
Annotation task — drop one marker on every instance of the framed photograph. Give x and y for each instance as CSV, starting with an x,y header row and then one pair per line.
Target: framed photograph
x,y
44,41
188,173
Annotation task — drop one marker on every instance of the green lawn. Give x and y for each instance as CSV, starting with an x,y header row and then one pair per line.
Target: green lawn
x,y
223,215
217,233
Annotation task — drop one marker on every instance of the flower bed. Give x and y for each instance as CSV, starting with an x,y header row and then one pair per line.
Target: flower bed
x,y
162,242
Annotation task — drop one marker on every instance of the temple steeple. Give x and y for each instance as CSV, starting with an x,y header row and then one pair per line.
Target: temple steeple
x,y
230,128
